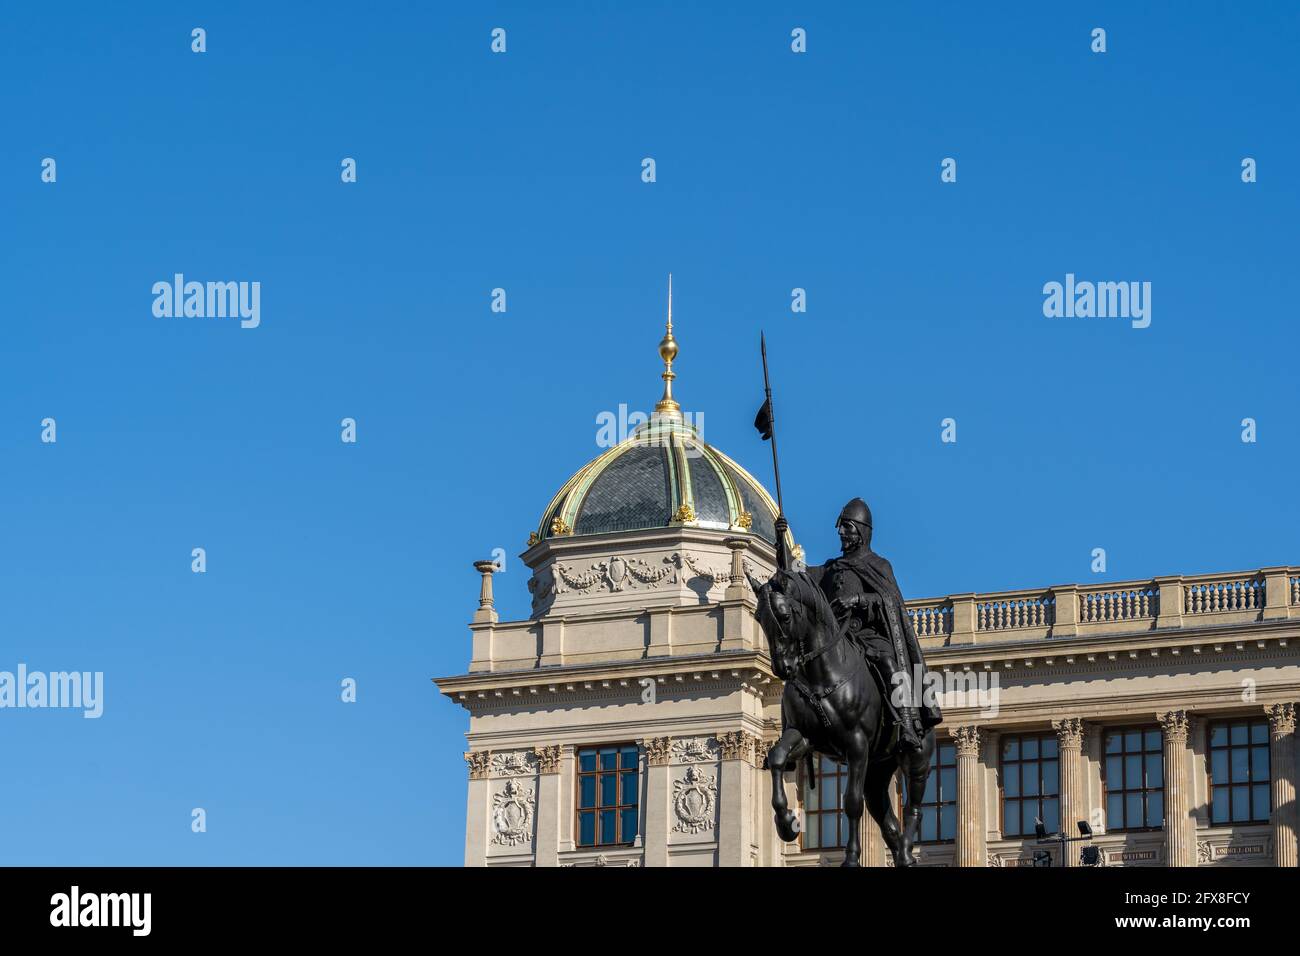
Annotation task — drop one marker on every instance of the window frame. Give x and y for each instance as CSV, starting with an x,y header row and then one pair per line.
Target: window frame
x,y
1249,722
936,776
1040,737
1124,790
813,817
595,810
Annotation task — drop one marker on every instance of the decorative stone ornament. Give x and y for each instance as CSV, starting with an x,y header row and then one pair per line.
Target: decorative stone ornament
x,y
694,797
695,749
657,751
479,763
548,758
512,815
514,763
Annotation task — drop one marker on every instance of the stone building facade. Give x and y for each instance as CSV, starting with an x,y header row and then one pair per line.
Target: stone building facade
x,y
626,720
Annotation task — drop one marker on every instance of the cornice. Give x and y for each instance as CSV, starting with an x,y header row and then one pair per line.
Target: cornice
x,y
1112,653
747,670
1105,705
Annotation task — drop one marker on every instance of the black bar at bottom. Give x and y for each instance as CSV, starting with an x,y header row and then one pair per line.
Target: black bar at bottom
x,y
207,905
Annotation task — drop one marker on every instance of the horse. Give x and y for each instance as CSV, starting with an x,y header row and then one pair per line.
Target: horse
x,y
833,705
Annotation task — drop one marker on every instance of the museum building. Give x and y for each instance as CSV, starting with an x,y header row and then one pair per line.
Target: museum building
x,y
626,721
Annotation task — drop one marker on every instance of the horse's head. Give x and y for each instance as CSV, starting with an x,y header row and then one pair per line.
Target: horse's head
x,y
795,616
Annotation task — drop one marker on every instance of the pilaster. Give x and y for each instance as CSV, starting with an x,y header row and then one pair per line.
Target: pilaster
x,y
735,824
546,850
657,754
476,809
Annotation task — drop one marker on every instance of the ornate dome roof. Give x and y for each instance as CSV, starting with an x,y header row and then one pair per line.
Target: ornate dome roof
x,y
662,475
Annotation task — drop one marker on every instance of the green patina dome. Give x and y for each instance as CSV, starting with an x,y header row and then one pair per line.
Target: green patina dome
x,y
663,475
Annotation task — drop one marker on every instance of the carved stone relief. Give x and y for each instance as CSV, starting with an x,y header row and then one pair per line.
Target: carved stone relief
x,y
512,814
695,749
694,797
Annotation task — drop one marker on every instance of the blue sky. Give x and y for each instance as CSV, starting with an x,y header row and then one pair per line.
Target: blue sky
x,y
522,171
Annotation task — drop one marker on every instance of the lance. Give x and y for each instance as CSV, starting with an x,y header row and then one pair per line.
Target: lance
x,y
765,422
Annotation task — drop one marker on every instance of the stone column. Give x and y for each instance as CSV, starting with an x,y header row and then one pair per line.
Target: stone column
x,y
1074,801
476,810
546,849
736,617
1281,719
657,753
970,821
1180,838
735,799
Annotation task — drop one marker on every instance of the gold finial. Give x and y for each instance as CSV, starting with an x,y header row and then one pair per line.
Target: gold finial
x,y
668,407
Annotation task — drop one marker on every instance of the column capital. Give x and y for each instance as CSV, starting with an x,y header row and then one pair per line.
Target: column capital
x,y
548,758
479,762
1175,724
737,745
1281,719
657,750
1069,731
967,740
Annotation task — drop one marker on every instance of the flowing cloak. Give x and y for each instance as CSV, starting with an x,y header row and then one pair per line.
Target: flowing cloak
x,y
877,577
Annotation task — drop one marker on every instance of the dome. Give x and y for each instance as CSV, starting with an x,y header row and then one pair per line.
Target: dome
x,y
663,475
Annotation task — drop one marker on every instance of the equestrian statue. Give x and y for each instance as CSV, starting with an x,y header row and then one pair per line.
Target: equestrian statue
x,y
842,641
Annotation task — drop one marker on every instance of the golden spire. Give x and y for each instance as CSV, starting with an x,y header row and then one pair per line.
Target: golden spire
x,y
668,407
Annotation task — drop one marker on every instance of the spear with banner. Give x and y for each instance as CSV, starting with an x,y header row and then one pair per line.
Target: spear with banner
x,y
766,423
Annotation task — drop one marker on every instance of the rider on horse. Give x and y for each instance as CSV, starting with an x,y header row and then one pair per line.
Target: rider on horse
x,y
869,606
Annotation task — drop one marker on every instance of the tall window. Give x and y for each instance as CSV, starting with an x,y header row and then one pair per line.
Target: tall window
x,y
1134,778
939,805
607,795
1239,772
825,827
1031,784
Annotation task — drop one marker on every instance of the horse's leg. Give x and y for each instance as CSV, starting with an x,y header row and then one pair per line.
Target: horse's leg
x,y
854,788
916,771
879,774
791,744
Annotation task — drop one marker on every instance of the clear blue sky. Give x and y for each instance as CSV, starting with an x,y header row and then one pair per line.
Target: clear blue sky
x,y
522,171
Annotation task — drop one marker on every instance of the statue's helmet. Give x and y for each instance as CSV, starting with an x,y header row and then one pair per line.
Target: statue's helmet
x,y
857,512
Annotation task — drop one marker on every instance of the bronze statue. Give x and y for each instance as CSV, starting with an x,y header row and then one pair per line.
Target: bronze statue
x,y
868,604
841,640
